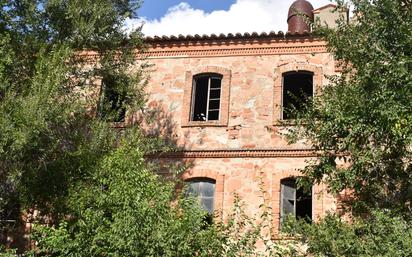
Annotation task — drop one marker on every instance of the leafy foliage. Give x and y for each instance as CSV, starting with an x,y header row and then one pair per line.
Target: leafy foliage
x,y
384,233
122,208
361,125
86,185
47,137
364,116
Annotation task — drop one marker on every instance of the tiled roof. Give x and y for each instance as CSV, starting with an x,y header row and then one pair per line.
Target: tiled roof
x,y
246,35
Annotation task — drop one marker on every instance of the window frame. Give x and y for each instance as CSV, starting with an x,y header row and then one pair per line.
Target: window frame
x,y
210,77
284,74
292,180
186,119
199,197
318,75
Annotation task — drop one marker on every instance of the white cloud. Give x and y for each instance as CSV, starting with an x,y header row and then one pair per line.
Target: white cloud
x,y
242,16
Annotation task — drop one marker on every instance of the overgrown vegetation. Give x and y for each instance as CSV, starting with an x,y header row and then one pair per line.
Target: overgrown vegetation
x,y
124,209
94,195
63,166
363,120
49,139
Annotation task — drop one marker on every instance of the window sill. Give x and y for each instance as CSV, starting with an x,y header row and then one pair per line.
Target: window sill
x,y
204,124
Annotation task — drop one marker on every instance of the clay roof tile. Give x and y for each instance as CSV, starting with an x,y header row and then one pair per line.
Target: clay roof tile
x,y
246,35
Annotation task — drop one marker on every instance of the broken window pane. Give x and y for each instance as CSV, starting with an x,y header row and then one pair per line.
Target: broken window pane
x,y
200,99
303,204
213,115
214,104
297,88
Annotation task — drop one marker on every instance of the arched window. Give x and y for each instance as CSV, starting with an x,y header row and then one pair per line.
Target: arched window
x,y
206,95
204,190
294,201
297,88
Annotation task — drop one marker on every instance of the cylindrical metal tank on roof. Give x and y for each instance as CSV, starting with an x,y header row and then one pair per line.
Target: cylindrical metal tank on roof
x,y
300,16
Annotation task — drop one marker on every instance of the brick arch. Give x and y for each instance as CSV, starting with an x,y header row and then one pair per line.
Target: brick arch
x,y
293,66
211,69
210,174
225,96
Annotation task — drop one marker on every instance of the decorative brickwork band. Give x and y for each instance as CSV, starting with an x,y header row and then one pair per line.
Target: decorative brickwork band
x,y
247,51
218,48
243,153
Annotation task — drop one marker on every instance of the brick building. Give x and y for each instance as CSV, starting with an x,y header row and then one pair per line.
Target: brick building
x,y
222,97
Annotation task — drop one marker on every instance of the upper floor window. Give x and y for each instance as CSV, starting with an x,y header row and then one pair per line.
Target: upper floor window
x,y
204,190
297,88
206,97
112,101
295,201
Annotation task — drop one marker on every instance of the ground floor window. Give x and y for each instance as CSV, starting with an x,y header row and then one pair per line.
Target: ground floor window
x,y
295,201
204,190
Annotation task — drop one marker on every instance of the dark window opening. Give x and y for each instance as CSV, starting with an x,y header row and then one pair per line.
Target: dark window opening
x,y
295,202
204,191
297,88
206,97
112,102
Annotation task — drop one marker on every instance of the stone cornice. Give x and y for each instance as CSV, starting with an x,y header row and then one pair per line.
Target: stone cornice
x,y
239,153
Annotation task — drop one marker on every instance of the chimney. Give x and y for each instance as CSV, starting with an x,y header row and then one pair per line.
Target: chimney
x,y
300,16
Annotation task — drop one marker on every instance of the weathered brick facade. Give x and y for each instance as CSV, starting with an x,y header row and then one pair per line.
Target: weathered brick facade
x,y
247,144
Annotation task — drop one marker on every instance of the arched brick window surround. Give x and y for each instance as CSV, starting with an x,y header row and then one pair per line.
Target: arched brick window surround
x,y
219,186
278,87
225,97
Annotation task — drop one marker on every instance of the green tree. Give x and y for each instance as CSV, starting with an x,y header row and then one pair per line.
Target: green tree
x,y
364,116
93,190
48,137
124,209
364,120
383,233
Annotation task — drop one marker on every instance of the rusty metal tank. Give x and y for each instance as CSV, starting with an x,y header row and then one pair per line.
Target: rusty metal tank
x,y
300,16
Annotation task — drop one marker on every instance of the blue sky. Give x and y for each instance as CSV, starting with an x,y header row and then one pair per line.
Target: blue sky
x,y
174,17
155,9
